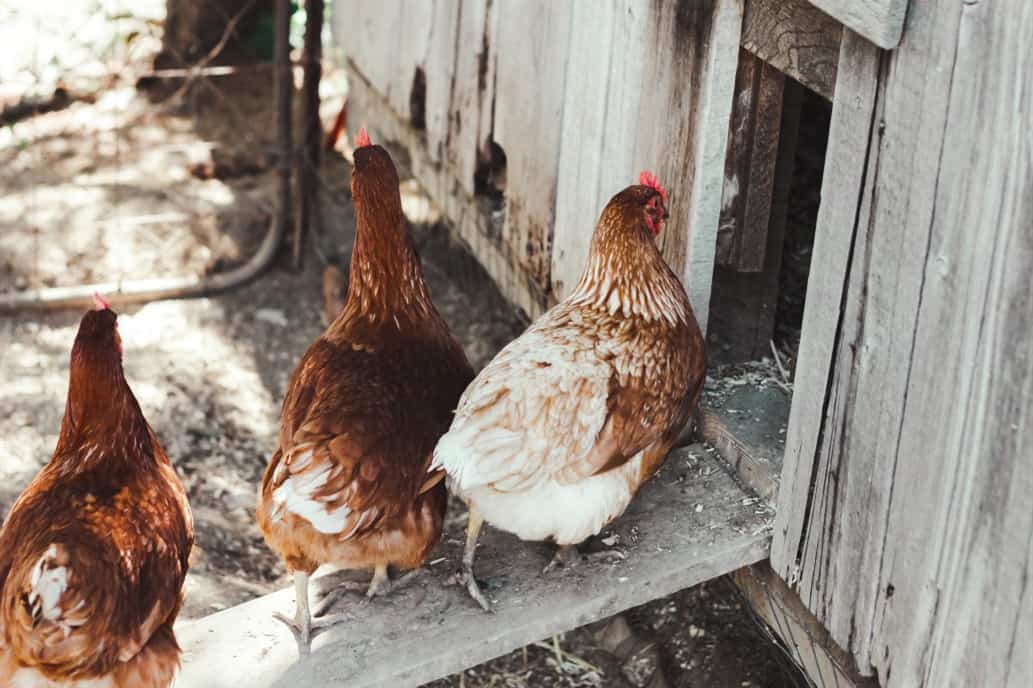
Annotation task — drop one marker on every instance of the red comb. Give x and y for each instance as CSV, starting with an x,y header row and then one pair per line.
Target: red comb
x,y
99,302
362,140
649,179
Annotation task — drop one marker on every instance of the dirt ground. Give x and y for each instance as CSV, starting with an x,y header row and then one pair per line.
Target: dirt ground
x,y
121,186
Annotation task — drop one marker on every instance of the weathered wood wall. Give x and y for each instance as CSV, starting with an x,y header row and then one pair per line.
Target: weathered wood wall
x,y
581,96
906,514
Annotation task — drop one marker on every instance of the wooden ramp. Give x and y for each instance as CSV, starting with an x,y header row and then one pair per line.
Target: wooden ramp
x,y
691,523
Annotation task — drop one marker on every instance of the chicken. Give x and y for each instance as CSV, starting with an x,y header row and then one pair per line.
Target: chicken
x,y
554,437
95,550
364,408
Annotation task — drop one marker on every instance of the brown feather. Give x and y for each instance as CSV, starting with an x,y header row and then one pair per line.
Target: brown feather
x,y
110,512
368,401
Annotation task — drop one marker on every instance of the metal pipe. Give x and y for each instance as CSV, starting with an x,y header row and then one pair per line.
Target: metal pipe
x,y
144,290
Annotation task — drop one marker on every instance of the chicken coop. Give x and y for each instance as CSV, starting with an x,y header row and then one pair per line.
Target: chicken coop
x,y
851,214
866,473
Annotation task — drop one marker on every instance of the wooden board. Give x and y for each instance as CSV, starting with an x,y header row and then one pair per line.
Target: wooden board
x,y
689,524
907,510
475,222
746,421
750,161
795,38
471,111
827,665
880,21
600,125
743,304
532,51
661,103
852,121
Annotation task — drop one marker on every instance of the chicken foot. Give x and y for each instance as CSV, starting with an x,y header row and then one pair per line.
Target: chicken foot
x,y
568,557
379,586
465,576
302,626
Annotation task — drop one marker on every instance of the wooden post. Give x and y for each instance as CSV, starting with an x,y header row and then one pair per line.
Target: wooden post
x,y
284,90
309,157
758,171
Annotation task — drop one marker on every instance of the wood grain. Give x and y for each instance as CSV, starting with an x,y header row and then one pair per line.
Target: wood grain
x,y
880,21
692,522
853,111
683,134
907,509
809,644
796,38
532,50
750,165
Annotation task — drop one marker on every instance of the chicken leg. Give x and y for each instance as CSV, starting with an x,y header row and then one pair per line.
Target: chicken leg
x,y
302,625
569,556
379,586
465,577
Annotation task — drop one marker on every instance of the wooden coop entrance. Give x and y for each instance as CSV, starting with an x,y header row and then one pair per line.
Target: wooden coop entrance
x,y
521,119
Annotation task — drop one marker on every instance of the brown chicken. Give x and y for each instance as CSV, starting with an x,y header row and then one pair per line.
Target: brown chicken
x,y
95,550
348,484
558,432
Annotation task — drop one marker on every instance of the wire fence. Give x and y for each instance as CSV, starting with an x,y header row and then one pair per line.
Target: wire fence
x,y
155,167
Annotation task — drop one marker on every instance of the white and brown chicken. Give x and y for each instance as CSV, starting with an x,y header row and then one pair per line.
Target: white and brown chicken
x,y
555,436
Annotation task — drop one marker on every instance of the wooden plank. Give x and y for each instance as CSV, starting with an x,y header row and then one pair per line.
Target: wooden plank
x,y
922,396
746,421
369,34
808,642
962,603
471,108
853,110
880,21
600,118
686,101
473,223
750,161
868,388
743,305
529,97
438,65
409,51
796,38
689,524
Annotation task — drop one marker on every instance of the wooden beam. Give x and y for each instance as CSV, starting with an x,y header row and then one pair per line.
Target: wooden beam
x,y
309,218
284,99
880,21
795,38
752,154
743,304
688,524
808,642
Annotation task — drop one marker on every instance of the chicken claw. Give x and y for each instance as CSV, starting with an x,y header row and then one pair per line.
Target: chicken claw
x,y
302,626
465,576
569,557
305,630
382,584
466,579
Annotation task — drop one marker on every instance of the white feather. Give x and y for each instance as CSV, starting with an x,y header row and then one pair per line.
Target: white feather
x,y
48,585
565,513
297,495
